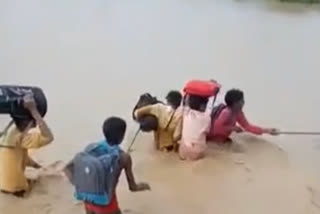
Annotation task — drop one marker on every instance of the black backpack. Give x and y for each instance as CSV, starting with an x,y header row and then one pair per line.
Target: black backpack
x,y
148,122
216,111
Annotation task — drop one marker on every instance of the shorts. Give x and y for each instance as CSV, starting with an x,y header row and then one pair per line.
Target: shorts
x,y
111,208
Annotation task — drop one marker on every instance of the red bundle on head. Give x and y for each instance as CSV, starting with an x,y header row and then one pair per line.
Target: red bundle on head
x,y
202,88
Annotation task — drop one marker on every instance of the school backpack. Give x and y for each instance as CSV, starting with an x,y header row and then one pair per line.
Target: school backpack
x,y
93,173
216,111
11,100
147,122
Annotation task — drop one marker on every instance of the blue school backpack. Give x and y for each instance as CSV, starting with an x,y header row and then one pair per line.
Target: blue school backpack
x,y
93,173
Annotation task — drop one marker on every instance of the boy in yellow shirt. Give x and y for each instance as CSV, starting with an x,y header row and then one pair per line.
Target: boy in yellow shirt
x,y
169,121
18,138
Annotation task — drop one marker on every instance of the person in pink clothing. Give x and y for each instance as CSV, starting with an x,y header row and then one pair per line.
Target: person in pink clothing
x,y
232,119
196,126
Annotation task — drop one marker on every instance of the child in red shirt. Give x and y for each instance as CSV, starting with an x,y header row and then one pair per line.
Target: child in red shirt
x,y
232,119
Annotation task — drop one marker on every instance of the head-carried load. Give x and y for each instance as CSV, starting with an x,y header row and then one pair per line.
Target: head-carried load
x,y
11,100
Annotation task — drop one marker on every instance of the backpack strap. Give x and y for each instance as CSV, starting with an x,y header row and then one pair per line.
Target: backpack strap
x,y
170,120
216,111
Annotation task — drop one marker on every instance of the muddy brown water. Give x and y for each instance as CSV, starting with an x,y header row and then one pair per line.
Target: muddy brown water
x,y
93,58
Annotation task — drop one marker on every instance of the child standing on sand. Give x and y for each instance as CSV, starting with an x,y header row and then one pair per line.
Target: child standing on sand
x,y
95,172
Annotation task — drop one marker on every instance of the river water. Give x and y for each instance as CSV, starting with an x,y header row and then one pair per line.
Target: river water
x,y
94,58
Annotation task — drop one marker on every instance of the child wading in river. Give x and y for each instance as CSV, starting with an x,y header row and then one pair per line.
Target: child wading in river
x,y
196,125
169,121
229,117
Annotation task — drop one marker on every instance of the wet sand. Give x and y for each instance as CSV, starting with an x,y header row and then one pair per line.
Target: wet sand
x,y
94,58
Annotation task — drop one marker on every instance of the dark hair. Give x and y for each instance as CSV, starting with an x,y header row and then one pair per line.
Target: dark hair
x,y
233,96
197,102
21,123
114,129
174,98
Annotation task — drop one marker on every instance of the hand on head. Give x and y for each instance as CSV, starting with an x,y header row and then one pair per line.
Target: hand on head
x,y
29,102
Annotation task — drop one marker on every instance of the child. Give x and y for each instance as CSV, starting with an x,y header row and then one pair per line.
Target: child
x,y
20,136
169,121
196,125
114,129
226,121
